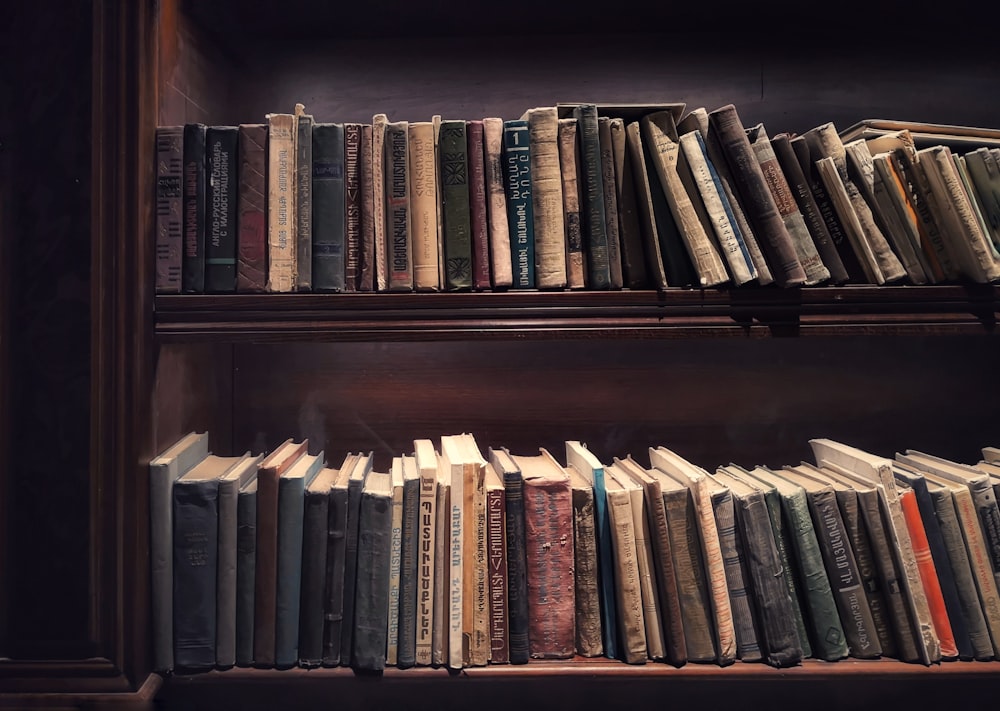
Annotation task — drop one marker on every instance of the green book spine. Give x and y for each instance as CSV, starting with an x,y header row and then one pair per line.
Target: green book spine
x,y
455,205
328,204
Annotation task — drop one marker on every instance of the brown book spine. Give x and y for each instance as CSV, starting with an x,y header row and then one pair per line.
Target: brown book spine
x,y
251,265
670,601
588,602
352,205
496,507
366,277
629,232
169,208
610,201
477,206
568,169
756,197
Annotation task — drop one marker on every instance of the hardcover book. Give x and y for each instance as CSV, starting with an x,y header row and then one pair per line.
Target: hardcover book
x,y
633,257
496,203
423,206
353,205
368,266
282,242
592,206
355,485
609,180
425,458
477,205
442,565
315,542
372,595
569,172
457,225
496,535
395,557
628,596
336,555
517,576
475,550
547,198
452,456
169,208
193,260
399,257
646,210
303,199
329,207
246,561
520,210
409,564
381,268
251,226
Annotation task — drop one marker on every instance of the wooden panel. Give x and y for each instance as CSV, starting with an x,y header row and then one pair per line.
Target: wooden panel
x,y
193,392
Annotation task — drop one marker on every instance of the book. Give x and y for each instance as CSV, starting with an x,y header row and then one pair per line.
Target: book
x,y
409,571
193,259
927,134
355,486
628,596
475,551
991,455
496,554
451,463
196,554
477,205
329,202
169,208
576,267
315,542
353,205
246,559
496,203
581,459
442,566
380,265
291,500
594,222
399,260
646,212
336,555
520,211
423,206
395,554
456,225
878,471
368,266
251,222
548,516
425,458
282,242
756,198
546,198
608,181
696,481
164,469
984,174
961,168
629,232
230,483
517,576
372,594
303,199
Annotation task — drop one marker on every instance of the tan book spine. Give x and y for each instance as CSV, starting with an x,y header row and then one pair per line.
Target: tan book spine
x,y
379,122
426,550
660,134
627,592
724,629
647,220
569,170
546,198
476,614
399,257
837,191
281,242
496,203
496,529
423,206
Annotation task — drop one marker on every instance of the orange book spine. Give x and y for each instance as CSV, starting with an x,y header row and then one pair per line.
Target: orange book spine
x,y
928,574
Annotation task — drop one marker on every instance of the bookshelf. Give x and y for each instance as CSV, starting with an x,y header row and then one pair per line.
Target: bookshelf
x,y
719,375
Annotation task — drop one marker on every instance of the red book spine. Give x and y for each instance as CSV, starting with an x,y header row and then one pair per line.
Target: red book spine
x,y
496,543
477,206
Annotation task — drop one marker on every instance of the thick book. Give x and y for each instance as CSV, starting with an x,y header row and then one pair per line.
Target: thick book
x,y
251,222
496,203
374,533
193,260
368,260
984,175
423,206
426,460
633,259
496,557
547,198
282,244
355,485
520,210
589,466
395,558
606,151
475,551
477,205
169,208
336,557
303,199
756,198
548,517
164,469
329,198
399,256
315,543
517,576
230,484
353,205
592,198
455,210
569,156
246,563
409,564
628,596
380,265
646,210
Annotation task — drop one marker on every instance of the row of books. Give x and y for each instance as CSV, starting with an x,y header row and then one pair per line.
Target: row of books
x,y
454,559
578,196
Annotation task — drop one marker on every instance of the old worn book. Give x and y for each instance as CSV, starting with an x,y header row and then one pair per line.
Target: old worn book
x,y
442,261
315,544
442,565
251,221
477,205
660,136
381,275
756,198
476,622
764,570
164,469
784,201
548,517
630,238
423,206
353,203
368,266
496,203
355,485
336,556
169,208
547,198
847,217
645,209
399,259
520,211
517,581
395,556
246,559
961,168
303,198
496,557
585,567
984,174
569,156
282,243
195,190
425,460
878,472
457,631
456,224
277,462
409,564
592,206
329,202
893,196
372,595
696,480
628,596
611,218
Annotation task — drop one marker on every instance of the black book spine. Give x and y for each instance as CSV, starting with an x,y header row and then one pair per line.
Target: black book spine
x,y
677,265
336,552
372,603
220,247
517,569
595,220
328,204
246,560
350,570
314,544
303,201
407,646
196,546
193,262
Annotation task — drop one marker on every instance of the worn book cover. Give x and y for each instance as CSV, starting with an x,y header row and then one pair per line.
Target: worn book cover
x,y
409,564
547,198
496,555
303,199
329,207
425,458
169,208
353,204
372,595
251,224
520,210
592,204
246,559
399,257
628,596
569,154
355,485
478,219
282,242
496,203
336,555
424,206
630,237
315,540
455,209
195,190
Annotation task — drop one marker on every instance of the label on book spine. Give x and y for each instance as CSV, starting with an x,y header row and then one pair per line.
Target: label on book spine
x,y
517,163
169,208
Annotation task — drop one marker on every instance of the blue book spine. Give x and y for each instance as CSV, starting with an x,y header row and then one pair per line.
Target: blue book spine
x,y
605,566
520,215
328,207
196,546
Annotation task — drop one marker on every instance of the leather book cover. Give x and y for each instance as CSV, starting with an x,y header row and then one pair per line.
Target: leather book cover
x,y
399,256
496,203
329,207
353,202
303,199
576,271
381,269
520,216
609,183
630,238
457,228
366,275
336,554
424,207
251,238
592,206
193,262
477,205
246,563
315,540
372,597
517,591
169,208
220,213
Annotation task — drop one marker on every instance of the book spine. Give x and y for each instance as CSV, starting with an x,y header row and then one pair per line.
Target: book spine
x,y
748,649
979,559
196,519
779,529
395,563
547,199
894,196
457,650
475,604
548,515
520,218
291,502
496,203
161,563
610,193
329,197
517,571
409,574
496,511
648,589
629,232
371,615
592,197
366,276
609,624
303,202
725,632
587,588
840,199
246,554
251,240
692,588
338,523
423,207
193,261
281,221
266,569
644,202
984,174
353,203
628,596
169,208
381,274
666,578
442,579
225,607
350,571
453,154
477,205
751,185
315,540
569,173
914,181
397,207
426,589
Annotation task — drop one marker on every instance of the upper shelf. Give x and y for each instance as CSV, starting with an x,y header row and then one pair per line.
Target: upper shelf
x,y
531,314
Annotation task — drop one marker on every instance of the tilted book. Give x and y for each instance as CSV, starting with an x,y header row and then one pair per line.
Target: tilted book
x,y
193,259
372,595
303,198
586,576
478,220
645,209
329,272
353,205
425,458
496,555
315,542
592,208
397,207
547,198
456,225
409,564
496,203
169,208
630,236
251,223
476,611
423,206
569,154
282,243
520,211
336,555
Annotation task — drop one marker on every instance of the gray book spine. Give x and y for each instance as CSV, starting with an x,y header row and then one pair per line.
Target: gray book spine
x,y
372,601
246,560
592,192
304,201
408,572
989,517
586,579
747,645
196,545
772,500
666,577
314,544
291,510
692,586
336,553
225,615
350,570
